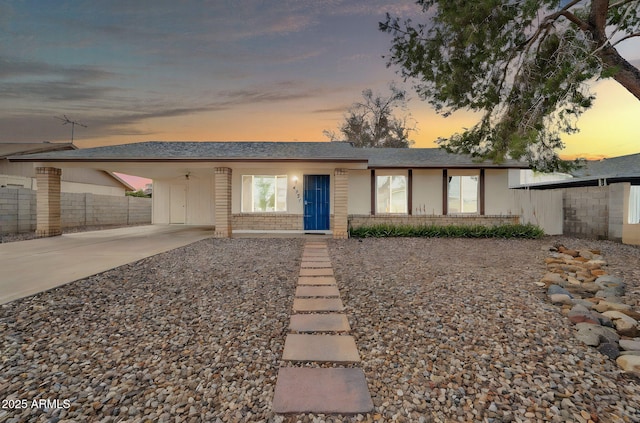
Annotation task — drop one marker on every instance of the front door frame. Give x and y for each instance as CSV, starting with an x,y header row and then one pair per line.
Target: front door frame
x,y
317,202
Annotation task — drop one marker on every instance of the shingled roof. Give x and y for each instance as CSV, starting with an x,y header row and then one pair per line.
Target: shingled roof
x,y
260,151
429,158
628,165
206,151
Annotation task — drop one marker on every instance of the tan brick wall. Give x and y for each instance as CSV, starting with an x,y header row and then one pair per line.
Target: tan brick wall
x,y
267,221
356,221
340,203
48,222
222,208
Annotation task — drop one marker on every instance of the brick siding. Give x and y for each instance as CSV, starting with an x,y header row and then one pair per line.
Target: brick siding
x,y
357,221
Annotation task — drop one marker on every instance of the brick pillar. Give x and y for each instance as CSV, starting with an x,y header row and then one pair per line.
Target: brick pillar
x,y
48,221
340,203
222,208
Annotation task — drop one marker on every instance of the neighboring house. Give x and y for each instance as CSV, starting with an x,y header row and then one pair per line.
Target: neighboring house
x,y
301,186
601,199
22,175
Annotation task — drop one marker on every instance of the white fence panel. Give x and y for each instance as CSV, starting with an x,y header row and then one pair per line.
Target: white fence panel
x,y
634,204
539,207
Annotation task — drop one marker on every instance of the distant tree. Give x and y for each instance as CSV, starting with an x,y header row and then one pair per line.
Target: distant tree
x,y
526,65
139,193
373,122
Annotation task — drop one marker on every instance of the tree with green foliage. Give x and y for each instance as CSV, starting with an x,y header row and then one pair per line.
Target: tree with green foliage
x,y
525,65
139,193
374,123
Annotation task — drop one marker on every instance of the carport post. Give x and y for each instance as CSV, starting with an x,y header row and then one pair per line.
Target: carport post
x,y
48,220
222,207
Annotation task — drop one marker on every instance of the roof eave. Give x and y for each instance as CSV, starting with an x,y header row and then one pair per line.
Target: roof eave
x,y
181,159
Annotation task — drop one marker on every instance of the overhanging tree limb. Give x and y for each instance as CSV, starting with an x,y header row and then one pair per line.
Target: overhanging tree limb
x,y
526,65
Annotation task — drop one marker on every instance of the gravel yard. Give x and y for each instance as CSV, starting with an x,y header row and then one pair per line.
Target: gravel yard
x,y
448,330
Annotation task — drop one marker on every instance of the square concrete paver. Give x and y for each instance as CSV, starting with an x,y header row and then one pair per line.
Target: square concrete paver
x,y
316,280
325,348
315,263
312,390
315,258
317,304
317,291
316,272
336,322
315,252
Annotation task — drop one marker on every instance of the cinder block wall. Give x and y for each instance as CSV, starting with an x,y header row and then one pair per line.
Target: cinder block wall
x,y
616,211
586,212
18,210
139,210
357,221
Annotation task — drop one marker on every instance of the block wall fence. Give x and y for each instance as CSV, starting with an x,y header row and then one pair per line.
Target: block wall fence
x,y
596,212
18,210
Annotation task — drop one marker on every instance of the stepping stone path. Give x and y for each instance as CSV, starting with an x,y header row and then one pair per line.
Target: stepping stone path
x,y
578,281
320,335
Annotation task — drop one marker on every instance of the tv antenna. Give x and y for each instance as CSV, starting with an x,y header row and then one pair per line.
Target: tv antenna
x,y
73,123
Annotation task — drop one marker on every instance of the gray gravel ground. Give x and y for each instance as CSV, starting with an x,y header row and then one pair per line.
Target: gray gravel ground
x,y
448,330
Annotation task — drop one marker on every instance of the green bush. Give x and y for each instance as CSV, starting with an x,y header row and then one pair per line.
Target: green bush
x,y
528,231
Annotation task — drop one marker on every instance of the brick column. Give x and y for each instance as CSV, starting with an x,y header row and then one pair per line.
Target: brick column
x,y
222,209
48,221
340,203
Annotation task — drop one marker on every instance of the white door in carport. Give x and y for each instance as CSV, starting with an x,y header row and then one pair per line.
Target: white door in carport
x,y
178,202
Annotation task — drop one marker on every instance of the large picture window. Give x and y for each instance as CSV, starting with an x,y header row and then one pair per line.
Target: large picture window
x,y
264,193
463,194
391,194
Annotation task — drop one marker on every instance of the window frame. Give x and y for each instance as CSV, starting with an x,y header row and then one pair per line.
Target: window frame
x,y
478,192
244,208
390,196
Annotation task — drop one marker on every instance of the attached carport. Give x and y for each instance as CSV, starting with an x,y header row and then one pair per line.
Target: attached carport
x,y
33,266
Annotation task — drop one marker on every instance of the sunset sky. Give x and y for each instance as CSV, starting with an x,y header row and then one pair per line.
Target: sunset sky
x,y
270,70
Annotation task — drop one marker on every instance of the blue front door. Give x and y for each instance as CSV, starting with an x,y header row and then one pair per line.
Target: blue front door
x,y
316,202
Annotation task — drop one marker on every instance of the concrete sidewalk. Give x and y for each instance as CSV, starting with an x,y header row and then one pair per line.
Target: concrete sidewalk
x,y
29,267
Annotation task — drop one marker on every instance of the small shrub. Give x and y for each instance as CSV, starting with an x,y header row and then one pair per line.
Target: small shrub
x,y
527,231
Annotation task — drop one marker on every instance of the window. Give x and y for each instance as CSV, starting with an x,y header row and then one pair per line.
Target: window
x,y
463,194
391,194
634,204
264,193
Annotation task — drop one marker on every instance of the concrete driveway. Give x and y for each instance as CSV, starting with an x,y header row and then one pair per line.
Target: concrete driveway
x,y
29,267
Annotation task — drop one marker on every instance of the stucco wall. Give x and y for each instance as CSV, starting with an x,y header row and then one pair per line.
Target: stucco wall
x,y
198,200
78,180
18,210
359,192
497,199
630,232
427,192
295,183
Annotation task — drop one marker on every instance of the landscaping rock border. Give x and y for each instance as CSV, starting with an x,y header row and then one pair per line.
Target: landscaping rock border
x,y
577,280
